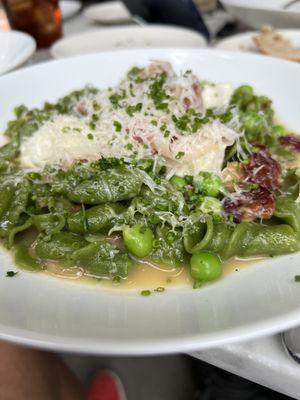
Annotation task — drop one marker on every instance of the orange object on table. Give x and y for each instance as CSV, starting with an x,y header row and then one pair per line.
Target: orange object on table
x,y
40,18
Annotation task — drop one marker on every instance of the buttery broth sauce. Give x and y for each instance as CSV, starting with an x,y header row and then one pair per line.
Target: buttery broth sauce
x,y
144,275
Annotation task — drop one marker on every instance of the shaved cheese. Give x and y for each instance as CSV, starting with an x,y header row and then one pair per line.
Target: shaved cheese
x,y
217,96
203,151
133,127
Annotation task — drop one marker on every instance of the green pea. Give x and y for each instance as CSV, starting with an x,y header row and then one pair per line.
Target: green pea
x,y
253,106
253,124
243,95
245,90
264,103
178,181
211,205
278,130
205,266
208,184
138,239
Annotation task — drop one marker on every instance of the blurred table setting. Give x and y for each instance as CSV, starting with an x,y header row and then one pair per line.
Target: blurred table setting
x,y
69,27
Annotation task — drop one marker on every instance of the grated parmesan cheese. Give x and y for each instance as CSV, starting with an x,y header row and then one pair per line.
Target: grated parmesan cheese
x,y
117,131
217,96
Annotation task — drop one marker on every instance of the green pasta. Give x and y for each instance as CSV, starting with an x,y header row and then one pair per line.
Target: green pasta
x,y
13,204
168,249
244,240
107,187
103,260
95,219
134,175
59,246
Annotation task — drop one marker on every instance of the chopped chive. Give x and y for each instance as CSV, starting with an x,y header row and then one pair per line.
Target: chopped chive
x,y
95,118
179,155
145,292
133,109
197,284
96,106
66,129
117,126
92,125
116,279
11,274
159,289
129,146
163,127
90,136
297,278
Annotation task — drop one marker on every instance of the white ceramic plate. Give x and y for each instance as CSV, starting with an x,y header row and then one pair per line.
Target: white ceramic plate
x,y
69,8
16,48
110,12
256,13
116,38
244,42
52,313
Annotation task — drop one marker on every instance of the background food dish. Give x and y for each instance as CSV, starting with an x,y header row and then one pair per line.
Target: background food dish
x,y
244,41
16,48
42,311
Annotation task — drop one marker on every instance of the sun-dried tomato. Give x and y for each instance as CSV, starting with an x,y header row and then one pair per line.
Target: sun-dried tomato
x,y
290,141
263,170
247,206
138,139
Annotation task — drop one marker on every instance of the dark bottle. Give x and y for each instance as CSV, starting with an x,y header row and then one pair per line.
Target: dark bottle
x,y
40,18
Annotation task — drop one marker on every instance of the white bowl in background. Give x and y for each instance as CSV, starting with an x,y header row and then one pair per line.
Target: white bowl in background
x,y
127,37
109,12
16,48
69,8
256,13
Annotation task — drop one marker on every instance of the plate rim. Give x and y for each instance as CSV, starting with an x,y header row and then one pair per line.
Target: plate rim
x,y
188,343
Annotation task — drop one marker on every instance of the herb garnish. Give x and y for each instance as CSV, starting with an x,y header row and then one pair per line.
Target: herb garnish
x,y
145,293
11,274
118,126
133,109
115,98
179,155
158,94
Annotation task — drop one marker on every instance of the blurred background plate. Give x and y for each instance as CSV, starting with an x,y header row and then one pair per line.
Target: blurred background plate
x,y
69,8
256,13
155,36
16,48
244,42
110,12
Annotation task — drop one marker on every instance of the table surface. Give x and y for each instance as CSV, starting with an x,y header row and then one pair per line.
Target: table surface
x,y
264,361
